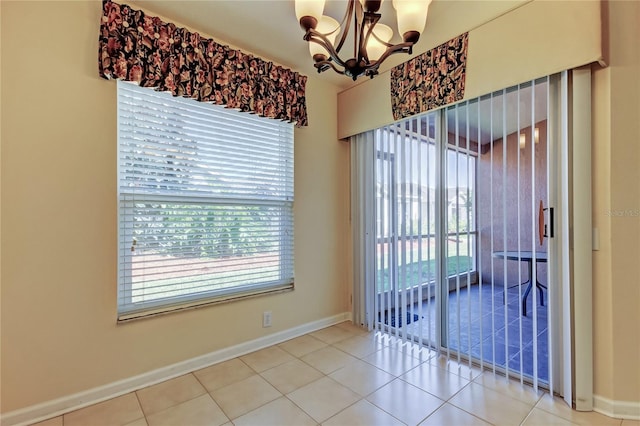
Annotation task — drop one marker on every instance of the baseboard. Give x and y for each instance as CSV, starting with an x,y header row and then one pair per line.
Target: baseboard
x,y
56,407
629,410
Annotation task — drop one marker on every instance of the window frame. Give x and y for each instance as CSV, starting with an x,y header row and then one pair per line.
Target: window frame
x,y
128,200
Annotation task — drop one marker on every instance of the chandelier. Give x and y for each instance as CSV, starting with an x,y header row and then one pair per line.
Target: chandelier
x,y
371,39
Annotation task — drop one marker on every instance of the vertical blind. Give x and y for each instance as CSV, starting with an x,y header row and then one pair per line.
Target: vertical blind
x,y
459,265
205,203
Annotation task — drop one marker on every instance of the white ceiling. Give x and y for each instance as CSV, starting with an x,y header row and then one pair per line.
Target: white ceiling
x,y
268,28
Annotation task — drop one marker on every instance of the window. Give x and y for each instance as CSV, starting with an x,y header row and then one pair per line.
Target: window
x,y
205,203
406,173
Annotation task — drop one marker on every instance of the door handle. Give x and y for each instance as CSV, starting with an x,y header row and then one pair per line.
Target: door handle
x,y
543,231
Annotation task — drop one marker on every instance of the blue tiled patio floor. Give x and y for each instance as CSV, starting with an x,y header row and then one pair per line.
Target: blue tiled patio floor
x,y
472,317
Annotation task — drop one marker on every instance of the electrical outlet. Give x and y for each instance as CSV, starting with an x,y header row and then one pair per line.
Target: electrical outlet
x,y
266,319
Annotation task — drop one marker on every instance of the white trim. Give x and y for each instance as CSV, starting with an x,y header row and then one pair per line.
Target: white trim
x,y
56,407
629,410
363,236
565,334
582,245
558,247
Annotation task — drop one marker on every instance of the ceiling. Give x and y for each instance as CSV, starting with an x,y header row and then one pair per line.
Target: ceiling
x,y
268,28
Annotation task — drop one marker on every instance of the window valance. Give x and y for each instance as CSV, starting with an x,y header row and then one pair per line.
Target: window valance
x,y
140,48
507,49
430,80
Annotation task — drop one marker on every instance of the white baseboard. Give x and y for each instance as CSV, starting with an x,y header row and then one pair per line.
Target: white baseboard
x,y
56,407
629,410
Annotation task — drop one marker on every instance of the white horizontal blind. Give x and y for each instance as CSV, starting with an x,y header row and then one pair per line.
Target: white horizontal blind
x,y
205,203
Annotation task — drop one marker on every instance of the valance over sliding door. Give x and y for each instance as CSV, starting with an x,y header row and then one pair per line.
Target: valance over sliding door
x,y
536,39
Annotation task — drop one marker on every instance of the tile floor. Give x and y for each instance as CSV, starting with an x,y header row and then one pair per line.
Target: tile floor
x,y
340,375
480,312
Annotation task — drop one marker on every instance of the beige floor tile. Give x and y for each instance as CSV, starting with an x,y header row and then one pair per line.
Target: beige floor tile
x,y
302,345
363,413
451,415
362,377
241,397
223,374
139,422
56,421
355,329
291,375
509,387
425,381
490,405
557,406
386,339
435,380
117,411
460,368
392,361
199,411
266,358
281,412
332,334
360,346
405,402
167,394
539,417
323,398
328,359
411,349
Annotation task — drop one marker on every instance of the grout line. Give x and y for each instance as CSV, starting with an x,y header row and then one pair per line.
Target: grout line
x,y
144,416
173,405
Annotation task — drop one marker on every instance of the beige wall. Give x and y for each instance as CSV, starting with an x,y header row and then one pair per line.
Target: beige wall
x,y
616,209
59,332
625,196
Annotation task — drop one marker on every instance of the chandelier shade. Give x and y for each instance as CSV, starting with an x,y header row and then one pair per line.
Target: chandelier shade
x,y
311,10
328,26
412,15
378,41
371,39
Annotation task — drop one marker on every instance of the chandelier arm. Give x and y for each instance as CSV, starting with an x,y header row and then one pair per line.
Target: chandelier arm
x,y
325,65
319,38
372,71
379,40
346,24
406,47
361,53
371,19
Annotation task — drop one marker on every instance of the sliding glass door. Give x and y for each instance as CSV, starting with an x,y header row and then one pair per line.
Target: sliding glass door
x,y
405,228
462,226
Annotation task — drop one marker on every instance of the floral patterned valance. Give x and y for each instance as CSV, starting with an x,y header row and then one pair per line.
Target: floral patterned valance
x,y
144,49
430,80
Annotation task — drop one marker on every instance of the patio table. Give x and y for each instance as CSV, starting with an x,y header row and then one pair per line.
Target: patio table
x,y
526,256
